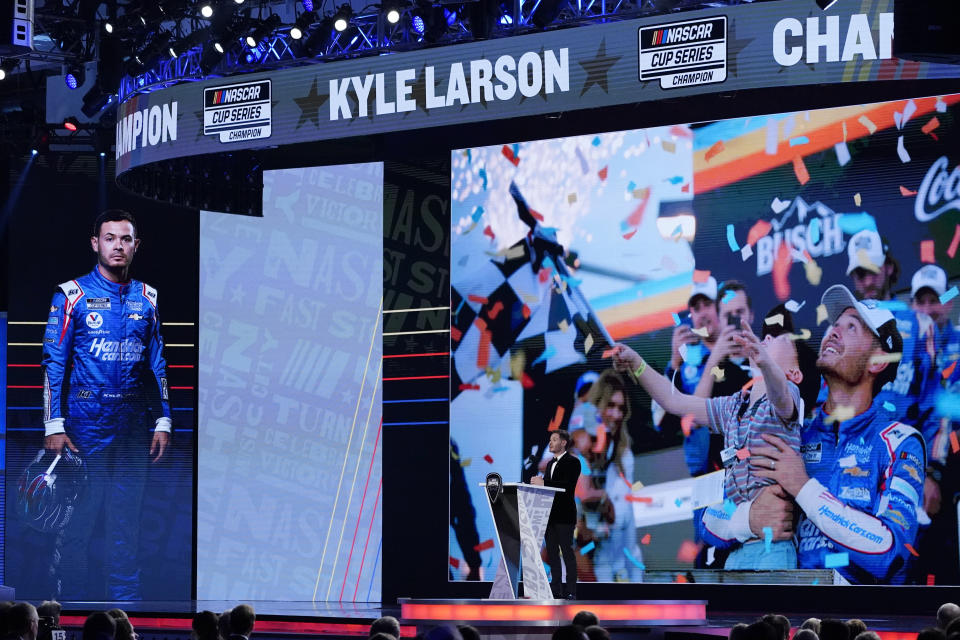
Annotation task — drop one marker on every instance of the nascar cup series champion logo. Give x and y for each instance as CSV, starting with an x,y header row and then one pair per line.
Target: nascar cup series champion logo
x,y
237,112
684,54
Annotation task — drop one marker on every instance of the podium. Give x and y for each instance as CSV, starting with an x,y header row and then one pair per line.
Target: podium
x,y
520,517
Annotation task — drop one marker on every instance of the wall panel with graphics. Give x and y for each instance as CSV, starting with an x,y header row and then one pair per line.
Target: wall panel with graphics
x,y
290,354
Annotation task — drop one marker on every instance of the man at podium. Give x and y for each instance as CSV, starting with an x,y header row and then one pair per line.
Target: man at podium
x,y
562,472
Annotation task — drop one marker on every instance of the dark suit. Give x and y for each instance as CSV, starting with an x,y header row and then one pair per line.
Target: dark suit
x,y
564,474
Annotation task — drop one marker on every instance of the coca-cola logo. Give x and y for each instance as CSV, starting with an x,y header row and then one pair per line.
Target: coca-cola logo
x,y
939,192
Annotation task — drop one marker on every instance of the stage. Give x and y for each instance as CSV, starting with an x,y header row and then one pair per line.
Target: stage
x,y
514,619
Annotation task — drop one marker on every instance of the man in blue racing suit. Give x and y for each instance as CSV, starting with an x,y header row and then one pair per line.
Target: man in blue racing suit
x,y
103,336
858,479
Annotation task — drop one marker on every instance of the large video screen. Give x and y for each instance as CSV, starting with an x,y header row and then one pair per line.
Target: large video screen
x,y
746,328
289,475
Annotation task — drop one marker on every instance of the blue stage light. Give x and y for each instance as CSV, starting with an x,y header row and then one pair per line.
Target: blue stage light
x,y
308,5
71,80
418,25
33,152
451,16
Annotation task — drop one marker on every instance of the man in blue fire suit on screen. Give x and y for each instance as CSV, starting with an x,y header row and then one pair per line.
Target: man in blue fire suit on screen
x,y
103,373
858,479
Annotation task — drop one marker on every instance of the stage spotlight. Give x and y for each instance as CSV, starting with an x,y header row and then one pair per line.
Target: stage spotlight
x,y
265,29
206,11
546,12
74,76
318,39
71,124
33,152
308,5
7,67
108,27
303,21
341,19
418,25
218,47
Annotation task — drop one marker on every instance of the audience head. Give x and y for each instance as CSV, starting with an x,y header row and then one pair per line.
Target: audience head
x,y
99,626
124,629
50,609
813,624
569,632
224,624
834,630
805,634
737,631
596,632
117,614
380,635
761,630
585,619
947,613
866,635
387,624
468,632
206,626
932,633
952,627
23,621
242,618
4,608
780,623
443,632
856,627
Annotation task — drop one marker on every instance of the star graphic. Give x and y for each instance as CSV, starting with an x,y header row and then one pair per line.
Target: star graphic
x,y
310,106
543,87
734,47
199,115
597,68
237,293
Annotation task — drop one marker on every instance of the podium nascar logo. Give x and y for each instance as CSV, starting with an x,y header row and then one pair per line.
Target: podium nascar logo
x,y
684,54
237,111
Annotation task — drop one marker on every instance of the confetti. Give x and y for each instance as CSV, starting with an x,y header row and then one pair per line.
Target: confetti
x,y
803,335
483,176
836,560
902,151
885,357
927,252
557,418
483,546
630,557
767,539
688,551
587,548
941,106
932,124
821,314
841,413
686,424
799,140
954,443
910,548
564,325
844,130
587,344
455,334
571,198
602,174
454,562
948,371
469,387
685,188
717,374
640,499
678,502
743,453
843,153
548,353
779,206
714,150
853,222
889,406
732,238
674,179
645,539
948,295
609,353
681,131
526,312
906,192
952,251
800,170
477,299
931,579
627,236
477,213
759,229
729,507
483,349
596,141
750,383
669,147
526,381
700,275
488,458
771,139
813,272
703,332
909,110
781,272
488,231
857,199
728,296
868,124
537,215
584,167
509,155
746,252
680,579
793,306
774,319
636,216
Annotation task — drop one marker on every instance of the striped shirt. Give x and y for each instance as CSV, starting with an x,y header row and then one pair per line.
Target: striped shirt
x,y
741,426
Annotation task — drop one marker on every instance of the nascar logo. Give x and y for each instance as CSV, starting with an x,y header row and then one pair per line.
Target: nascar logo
x,y
684,54
238,112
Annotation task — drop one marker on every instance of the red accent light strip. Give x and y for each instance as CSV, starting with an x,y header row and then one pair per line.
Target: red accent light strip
x,y
412,378
179,366
281,626
181,387
24,386
609,613
418,355
23,365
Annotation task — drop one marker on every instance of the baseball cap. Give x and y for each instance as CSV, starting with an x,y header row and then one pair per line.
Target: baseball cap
x,y
930,276
865,250
880,321
706,288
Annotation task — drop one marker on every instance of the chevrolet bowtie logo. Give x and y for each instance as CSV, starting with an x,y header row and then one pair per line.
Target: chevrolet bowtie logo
x,y
135,316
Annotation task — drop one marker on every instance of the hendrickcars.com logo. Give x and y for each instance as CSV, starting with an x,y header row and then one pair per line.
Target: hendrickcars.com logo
x,y
686,53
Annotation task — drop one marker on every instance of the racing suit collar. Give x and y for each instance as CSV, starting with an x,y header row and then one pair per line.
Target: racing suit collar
x,y
855,424
118,287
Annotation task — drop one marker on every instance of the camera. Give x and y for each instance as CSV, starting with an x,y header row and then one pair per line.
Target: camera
x,y
733,319
49,629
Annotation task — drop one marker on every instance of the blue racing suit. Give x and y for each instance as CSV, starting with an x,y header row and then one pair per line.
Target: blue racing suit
x,y
865,488
105,336
906,392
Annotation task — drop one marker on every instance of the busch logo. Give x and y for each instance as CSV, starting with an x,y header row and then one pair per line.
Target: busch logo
x,y
107,350
939,192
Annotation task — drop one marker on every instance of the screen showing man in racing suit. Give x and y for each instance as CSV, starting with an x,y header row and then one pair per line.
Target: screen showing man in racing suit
x,y
105,398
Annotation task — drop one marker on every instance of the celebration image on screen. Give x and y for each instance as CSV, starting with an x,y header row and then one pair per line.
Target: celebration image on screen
x,y
746,327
